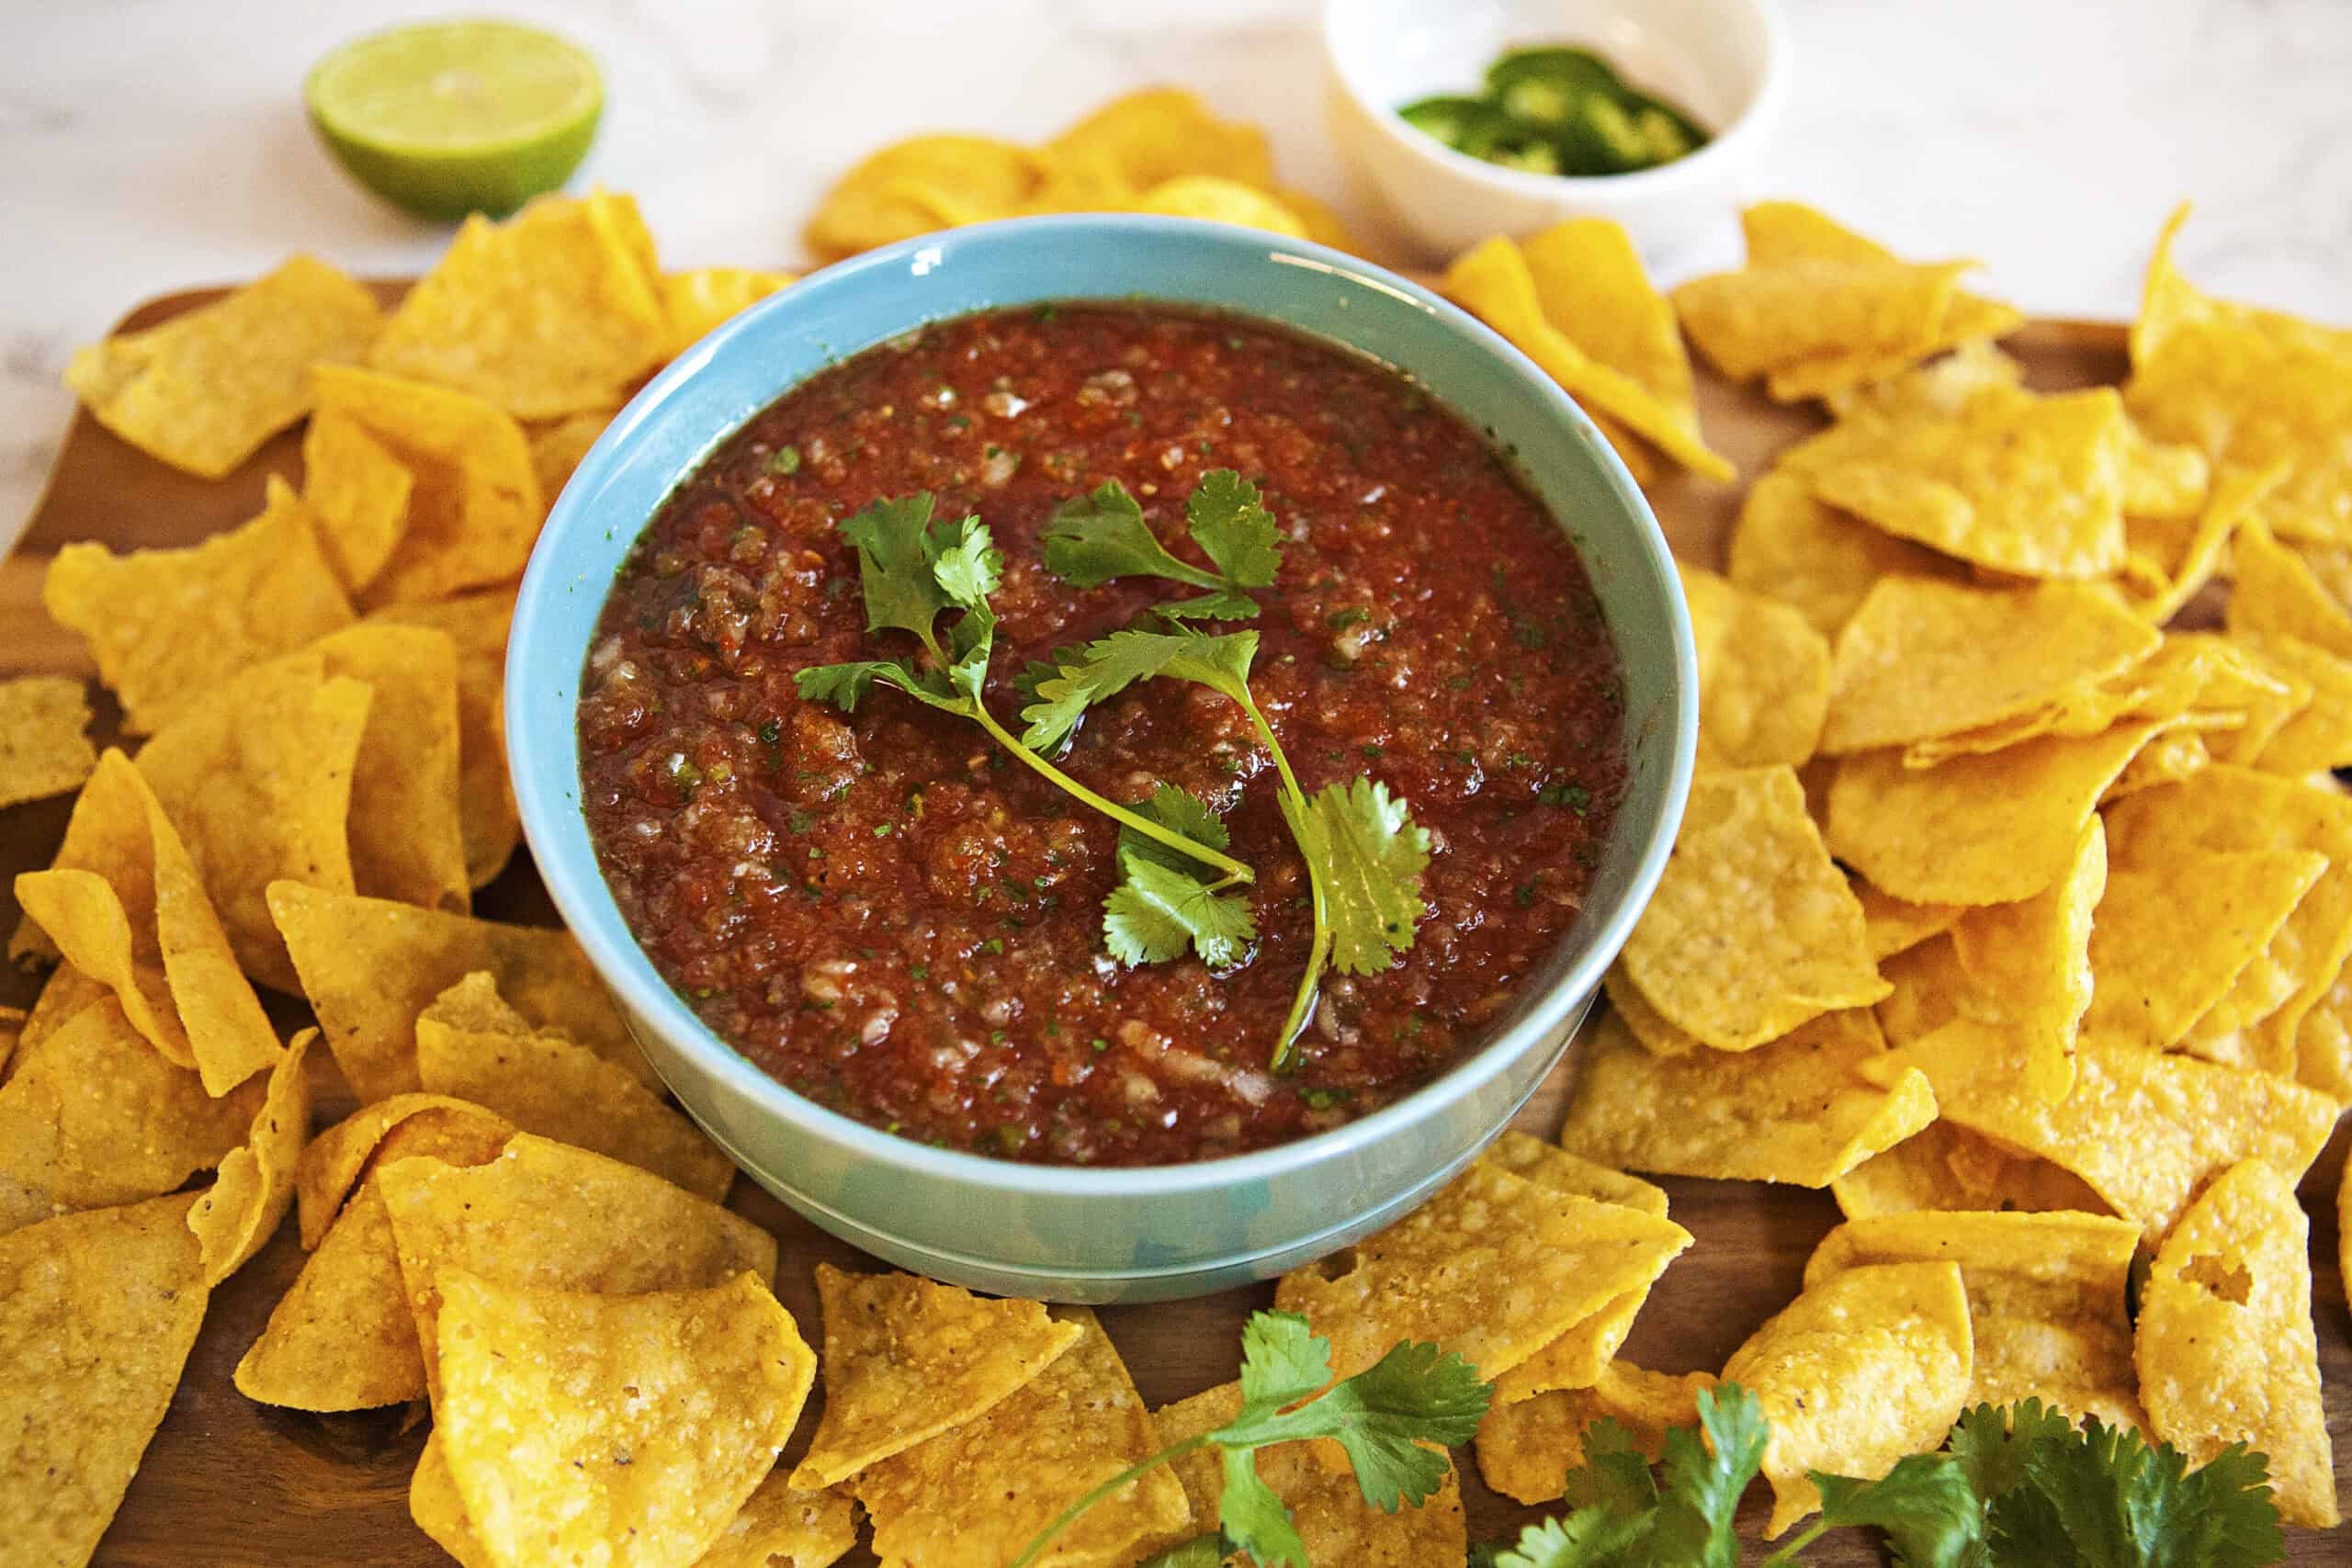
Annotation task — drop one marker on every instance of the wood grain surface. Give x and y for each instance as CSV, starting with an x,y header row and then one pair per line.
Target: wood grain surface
x,y
228,1481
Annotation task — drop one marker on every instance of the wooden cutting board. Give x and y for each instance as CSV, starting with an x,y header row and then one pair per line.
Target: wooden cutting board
x,y
228,1481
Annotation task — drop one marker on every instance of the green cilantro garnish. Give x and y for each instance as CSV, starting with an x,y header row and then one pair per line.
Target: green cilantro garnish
x,y
911,573
786,461
1380,1417
1096,538
1163,902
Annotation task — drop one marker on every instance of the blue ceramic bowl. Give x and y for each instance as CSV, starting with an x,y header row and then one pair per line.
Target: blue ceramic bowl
x,y
1090,1234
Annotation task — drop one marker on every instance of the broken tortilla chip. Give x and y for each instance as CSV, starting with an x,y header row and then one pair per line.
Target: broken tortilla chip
x,y
44,749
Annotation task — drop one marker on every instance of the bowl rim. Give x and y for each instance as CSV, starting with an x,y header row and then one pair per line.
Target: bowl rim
x,y
1752,124
554,825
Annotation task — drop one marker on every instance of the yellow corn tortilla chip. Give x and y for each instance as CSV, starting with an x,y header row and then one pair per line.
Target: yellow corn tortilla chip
x,y
1161,133
202,390
66,992
550,1086
1216,200
343,1338
2033,956
1794,1110
1945,1166
2045,1299
1866,1366
2249,387
1753,930
169,627
12,1030
1780,315
2023,484
559,444
1555,1169
697,302
1930,990
256,1184
547,1214
897,192
1790,546
333,1162
1526,1449
1922,659
1334,1522
439,1512
2163,961
478,624
592,1427
1763,676
2277,594
357,492
1983,829
2318,737
553,310
369,967
979,1491
1649,1026
2161,480
407,842
2225,809
906,1358
783,1526
2225,1346
125,906
2165,759
43,748
97,1315
1493,283
92,1115
474,505
1946,387
1892,925
1494,1267
2145,1129
258,777
1642,462
1324,226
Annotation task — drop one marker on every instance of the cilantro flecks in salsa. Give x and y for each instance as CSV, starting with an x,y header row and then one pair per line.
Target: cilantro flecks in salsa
x,y
892,917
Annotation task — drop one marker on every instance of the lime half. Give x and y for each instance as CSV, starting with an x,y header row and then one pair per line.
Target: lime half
x,y
446,119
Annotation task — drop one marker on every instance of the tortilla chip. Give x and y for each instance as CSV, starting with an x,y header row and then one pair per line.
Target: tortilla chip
x,y
782,1526
589,1428
982,1491
1892,925
1763,676
1866,1366
2145,1129
550,312
1493,1268
547,1214
1643,465
1324,226
333,1162
927,183
547,1085
478,624
43,748
1945,1166
2163,961
1554,1169
1214,200
2165,759
2225,1346
206,389
255,1186
1793,1110
1790,546
1922,659
370,967
907,1359
12,1028
2317,737
1161,133
1774,316
406,842
2045,1299
1525,1451
2034,957
66,992
357,492
98,1314
1992,828
1752,929
2278,595
343,1338
258,777
698,302
1334,1522
2023,484
474,506
557,446
169,627
1650,1026
1493,282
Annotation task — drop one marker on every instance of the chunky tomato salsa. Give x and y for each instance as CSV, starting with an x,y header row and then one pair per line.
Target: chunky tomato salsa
x,y
891,914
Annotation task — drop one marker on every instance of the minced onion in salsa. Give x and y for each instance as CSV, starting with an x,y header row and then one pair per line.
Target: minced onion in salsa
x,y
891,917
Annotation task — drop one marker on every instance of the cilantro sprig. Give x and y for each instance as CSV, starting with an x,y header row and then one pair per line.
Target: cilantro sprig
x,y
1364,852
1165,902
2020,1485
1380,1417
1093,538
912,571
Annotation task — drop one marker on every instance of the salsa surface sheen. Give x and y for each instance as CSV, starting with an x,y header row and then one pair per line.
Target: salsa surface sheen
x,y
896,920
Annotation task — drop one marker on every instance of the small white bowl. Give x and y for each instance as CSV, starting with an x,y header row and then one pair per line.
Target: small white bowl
x,y
1726,62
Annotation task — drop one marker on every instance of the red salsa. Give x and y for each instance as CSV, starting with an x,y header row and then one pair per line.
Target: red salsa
x,y
890,915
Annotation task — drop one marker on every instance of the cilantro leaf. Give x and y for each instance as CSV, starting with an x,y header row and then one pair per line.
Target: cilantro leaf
x,y
1202,1551
969,568
1369,854
1931,1515
845,685
1381,1416
1234,530
1704,1480
1615,1476
1990,1444
1155,912
1283,1360
895,556
1591,1538
1093,538
1108,666
1253,1518
2116,1501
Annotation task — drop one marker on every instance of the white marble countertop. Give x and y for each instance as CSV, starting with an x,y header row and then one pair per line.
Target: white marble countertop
x,y
152,144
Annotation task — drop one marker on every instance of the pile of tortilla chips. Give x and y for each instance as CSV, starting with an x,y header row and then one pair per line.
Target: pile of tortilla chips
x,y
1158,151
